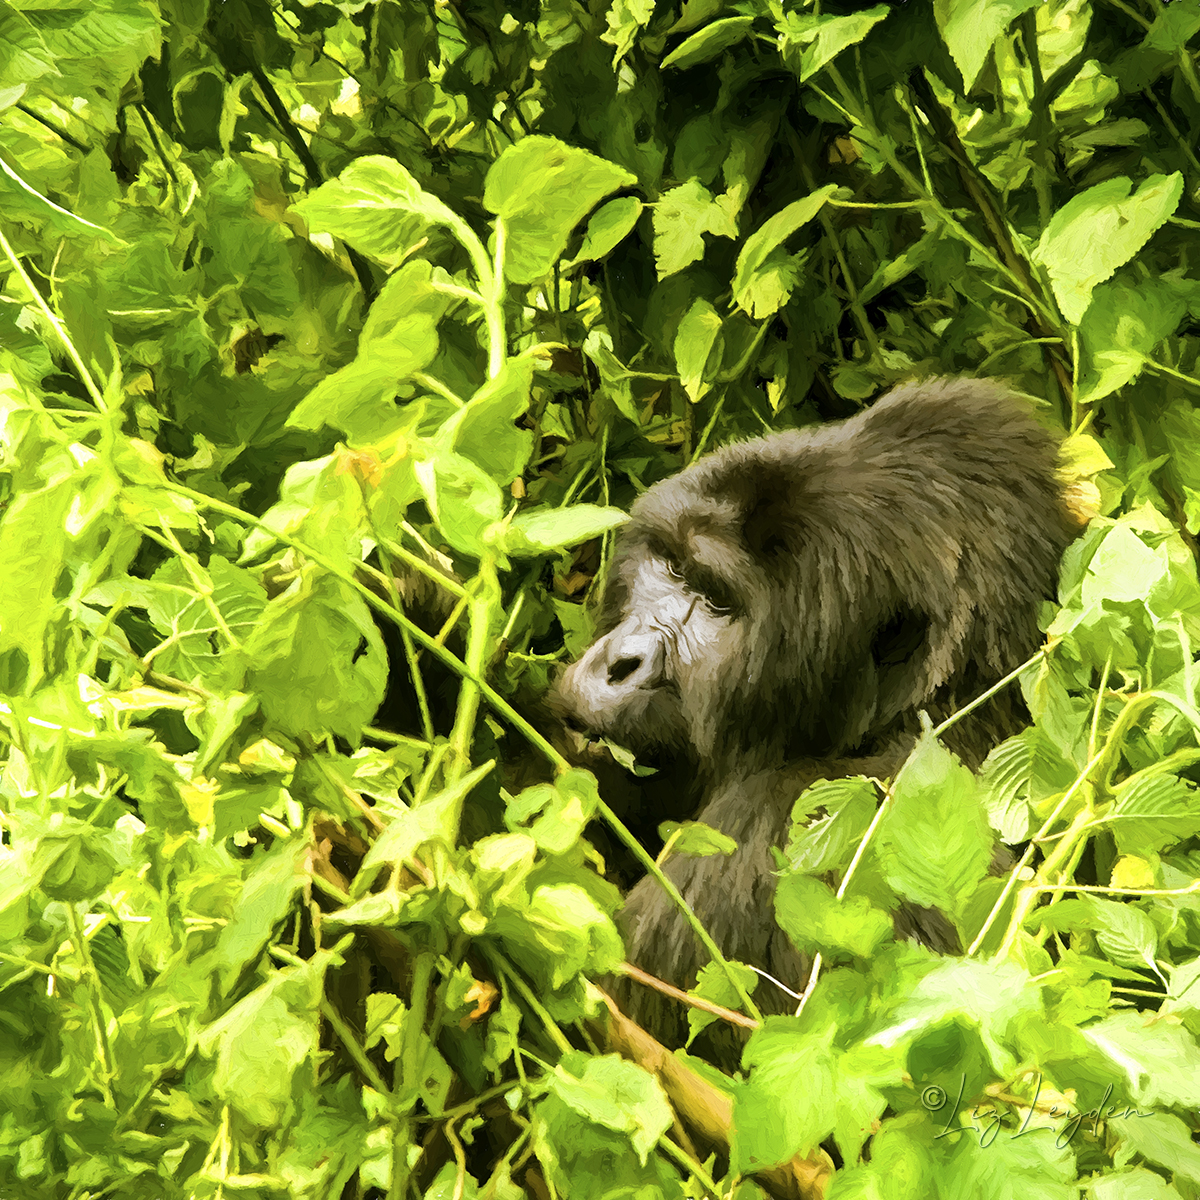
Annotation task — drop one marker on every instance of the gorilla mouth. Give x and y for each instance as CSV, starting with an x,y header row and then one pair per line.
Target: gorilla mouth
x,y
586,743
592,744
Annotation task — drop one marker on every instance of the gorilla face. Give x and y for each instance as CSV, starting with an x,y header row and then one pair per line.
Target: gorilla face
x,y
650,683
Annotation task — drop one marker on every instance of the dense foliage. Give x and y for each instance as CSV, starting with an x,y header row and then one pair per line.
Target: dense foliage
x,y
301,298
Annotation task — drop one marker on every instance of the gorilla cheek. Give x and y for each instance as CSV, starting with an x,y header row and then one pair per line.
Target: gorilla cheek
x,y
710,672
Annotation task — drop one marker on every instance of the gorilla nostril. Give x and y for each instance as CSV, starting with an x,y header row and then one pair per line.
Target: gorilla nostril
x,y
621,670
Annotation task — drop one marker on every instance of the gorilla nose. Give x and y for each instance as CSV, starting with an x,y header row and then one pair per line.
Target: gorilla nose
x,y
621,670
595,691
635,662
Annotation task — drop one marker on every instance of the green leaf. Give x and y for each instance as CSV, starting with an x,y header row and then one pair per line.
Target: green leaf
x,y
773,1119
562,810
484,429
1100,230
698,348
462,498
273,883
399,338
1160,1061
889,273
970,29
1153,812
542,188
33,547
809,42
558,932
1163,1140
994,997
590,1135
262,1040
615,1094
1035,1166
1173,28
319,503
713,983
626,19
1121,326
541,530
934,843
318,661
1025,769
758,259
696,839
376,205
681,217
436,819
707,43
815,919
24,56
607,226
828,843
1124,933
197,647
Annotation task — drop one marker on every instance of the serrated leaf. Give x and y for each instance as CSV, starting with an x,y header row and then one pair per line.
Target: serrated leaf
x,y
970,29
542,188
934,842
809,42
753,260
1154,812
681,217
367,203
828,843
1100,230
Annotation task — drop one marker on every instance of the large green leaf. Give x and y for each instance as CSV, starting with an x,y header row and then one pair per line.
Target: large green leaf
x,y
542,188
1100,230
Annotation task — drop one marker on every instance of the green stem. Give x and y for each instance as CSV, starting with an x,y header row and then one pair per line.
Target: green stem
x,y
481,607
1040,111
59,328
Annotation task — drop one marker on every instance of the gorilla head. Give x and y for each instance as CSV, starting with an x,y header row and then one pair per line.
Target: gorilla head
x,y
787,604
804,593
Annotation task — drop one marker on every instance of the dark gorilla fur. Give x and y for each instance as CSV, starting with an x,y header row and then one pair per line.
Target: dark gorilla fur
x,y
780,611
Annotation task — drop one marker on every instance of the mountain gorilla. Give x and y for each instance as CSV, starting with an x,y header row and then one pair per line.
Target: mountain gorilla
x,y
779,613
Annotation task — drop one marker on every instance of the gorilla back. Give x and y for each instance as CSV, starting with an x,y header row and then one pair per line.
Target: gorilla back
x,y
788,603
